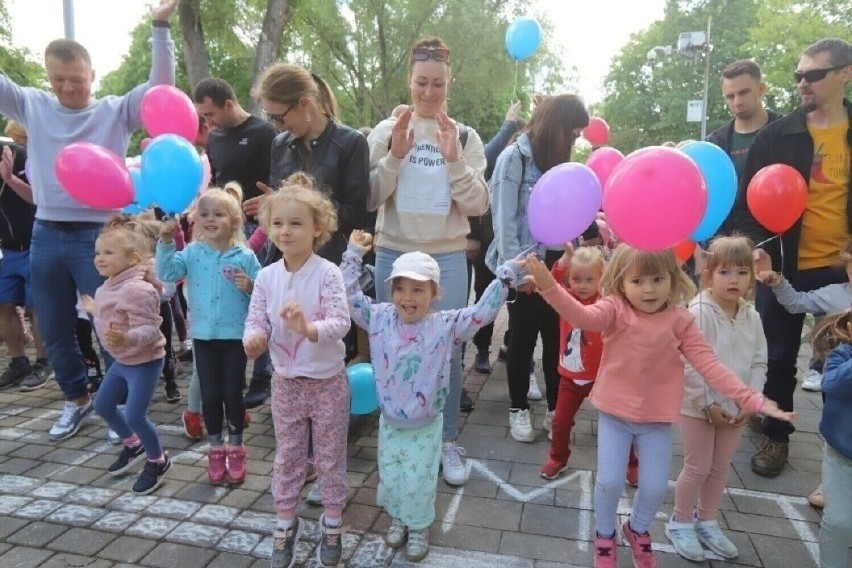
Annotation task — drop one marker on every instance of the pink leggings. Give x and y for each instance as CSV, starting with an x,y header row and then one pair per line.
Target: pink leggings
x,y
707,453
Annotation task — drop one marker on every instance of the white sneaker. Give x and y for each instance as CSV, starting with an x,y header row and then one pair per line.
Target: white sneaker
x,y
452,463
113,437
534,393
520,426
709,533
547,425
812,381
684,539
70,420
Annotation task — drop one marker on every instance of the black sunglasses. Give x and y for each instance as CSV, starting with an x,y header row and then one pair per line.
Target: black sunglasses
x,y
815,75
437,53
279,118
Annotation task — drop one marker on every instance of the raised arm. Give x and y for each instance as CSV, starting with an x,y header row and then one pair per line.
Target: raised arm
x,y
360,305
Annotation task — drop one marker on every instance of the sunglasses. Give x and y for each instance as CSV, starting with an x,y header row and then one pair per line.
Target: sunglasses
x,y
437,53
815,75
279,118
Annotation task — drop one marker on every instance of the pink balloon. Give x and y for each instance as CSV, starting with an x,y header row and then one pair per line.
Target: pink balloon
x,y
94,175
602,161
597,132
205,173
655,198
144,143
168,110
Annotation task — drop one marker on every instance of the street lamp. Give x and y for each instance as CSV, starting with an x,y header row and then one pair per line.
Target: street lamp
x,y
68,18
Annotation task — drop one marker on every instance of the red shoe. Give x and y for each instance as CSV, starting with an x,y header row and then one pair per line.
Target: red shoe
x,y
640,546
192,425
236,465
606,552
552,469
216,465
633,475
246,419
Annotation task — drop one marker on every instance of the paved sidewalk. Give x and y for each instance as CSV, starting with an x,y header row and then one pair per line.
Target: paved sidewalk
x,y
59,508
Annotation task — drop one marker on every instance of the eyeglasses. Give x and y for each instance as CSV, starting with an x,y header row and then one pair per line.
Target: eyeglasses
x,y
437,53
279,118
815,75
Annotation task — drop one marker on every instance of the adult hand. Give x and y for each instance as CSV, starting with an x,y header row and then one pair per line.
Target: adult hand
x,y
164,11
168,230
448,137
472,249
251,207
402,139
361,239
770,408
254,345
762,262
719,416
514,112
7,165
243,281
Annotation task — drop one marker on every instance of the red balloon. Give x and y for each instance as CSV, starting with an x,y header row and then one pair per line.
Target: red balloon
x,y
776,196
684,250
597,132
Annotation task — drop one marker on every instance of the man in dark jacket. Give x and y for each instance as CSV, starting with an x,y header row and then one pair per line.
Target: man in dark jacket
x,y
815,139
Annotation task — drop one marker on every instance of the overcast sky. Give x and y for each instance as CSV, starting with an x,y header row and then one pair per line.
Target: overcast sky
x,y
589,32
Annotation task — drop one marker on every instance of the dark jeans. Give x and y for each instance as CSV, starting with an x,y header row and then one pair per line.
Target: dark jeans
x,y
783,336
530,316
481,276
221,365
166,330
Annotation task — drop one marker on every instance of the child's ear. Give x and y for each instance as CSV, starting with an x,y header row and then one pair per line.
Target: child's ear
x,y
136,257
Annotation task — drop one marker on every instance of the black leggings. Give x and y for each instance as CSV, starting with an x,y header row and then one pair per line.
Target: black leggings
x,y
221,365
166,329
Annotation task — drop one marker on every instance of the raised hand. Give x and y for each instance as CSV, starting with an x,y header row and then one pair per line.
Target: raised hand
x,y
769,277
168,230
243,281
402,139
448,137
165,10
514,112
565,259
539,274
254,345
87,303
762,262
252,206
7,164
361,239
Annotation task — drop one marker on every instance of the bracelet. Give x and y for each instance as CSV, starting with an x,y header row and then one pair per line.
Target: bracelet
x,y
161,24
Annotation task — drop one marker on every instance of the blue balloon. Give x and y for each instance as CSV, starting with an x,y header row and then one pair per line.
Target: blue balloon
x,y
362,389
171,172
721,180
142,197
133,209
523,37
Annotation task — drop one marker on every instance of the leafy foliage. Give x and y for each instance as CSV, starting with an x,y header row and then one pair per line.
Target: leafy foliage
x,y
18,64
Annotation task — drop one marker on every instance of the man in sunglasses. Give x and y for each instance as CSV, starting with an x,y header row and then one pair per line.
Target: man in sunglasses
x,y
743,88
815,139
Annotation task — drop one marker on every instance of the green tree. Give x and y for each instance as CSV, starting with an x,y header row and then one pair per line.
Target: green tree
x,y
19,64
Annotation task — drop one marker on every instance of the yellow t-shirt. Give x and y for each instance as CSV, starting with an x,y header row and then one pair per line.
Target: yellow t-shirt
x,y
824,224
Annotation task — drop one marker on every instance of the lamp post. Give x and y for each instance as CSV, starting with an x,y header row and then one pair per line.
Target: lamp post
x,y
68,18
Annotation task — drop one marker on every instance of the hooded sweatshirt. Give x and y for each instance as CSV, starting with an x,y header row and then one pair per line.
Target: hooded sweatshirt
x,y
130,302
739,344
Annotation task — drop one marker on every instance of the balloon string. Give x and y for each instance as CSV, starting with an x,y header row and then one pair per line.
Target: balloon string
x,y
763,242
515,84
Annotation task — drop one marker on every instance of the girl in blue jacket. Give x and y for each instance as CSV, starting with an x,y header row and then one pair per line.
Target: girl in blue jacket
x,y
220,272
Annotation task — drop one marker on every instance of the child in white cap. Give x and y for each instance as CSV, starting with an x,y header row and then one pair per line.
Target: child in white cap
x,y
411,346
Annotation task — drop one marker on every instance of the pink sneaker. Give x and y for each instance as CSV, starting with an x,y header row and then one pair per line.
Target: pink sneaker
x,y
606,552
640,546
236,464
216,464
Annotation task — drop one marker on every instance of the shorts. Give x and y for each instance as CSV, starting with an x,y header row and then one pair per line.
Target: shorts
x,y
15,278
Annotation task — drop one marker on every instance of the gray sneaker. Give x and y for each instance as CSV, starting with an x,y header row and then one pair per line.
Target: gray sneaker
x,y
70,420
418,545
284,545
314,495
684,540
331,544
38,376
13,375
711,535
397,534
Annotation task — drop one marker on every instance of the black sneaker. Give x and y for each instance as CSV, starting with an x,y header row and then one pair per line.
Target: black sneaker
x,y
284,545
94,376
501,353
128,457
172,392
466,403
38,376
257,393
331,544
185,356
481,363
151,476
13,375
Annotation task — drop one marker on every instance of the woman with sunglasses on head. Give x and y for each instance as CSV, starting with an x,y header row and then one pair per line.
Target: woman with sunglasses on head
x,y
546,141
426,178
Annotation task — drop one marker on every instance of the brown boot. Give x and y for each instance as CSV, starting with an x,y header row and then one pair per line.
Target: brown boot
x,y
756,423
770,459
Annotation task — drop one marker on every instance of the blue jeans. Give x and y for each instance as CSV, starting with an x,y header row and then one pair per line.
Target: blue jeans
x,y
61,263
453,292
653,442
835,529
133,384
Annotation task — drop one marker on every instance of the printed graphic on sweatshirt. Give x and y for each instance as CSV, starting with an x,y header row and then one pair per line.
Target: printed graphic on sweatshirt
x,y
423,185
572,357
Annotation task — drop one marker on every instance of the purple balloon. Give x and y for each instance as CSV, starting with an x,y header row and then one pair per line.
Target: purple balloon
x,y
563,203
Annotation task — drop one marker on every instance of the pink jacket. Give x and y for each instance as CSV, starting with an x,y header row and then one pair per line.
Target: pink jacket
x,y
640,378
130,302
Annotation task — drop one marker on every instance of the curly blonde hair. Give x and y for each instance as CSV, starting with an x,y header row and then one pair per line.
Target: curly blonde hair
x,y
300,187
230,198
128,233
627,259
832,331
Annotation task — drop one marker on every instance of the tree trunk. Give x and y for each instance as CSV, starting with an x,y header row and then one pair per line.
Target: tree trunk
x,y
278,13
194,54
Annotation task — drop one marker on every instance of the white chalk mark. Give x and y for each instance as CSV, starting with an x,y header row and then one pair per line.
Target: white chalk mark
x,y
450,515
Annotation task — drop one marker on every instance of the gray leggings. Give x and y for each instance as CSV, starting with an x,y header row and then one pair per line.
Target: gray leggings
x,y
653,442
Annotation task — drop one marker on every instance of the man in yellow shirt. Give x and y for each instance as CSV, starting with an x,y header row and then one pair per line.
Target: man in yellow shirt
x,y
815,139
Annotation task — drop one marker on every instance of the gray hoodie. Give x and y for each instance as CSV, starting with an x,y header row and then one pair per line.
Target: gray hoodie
x,y
829,299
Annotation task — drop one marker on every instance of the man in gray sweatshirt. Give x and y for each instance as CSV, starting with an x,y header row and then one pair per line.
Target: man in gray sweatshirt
x,y
63,243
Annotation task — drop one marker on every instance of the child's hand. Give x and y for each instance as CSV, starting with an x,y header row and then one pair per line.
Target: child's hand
x,y
361,239
254,345
769,277
294,319
742,418
168,230
565,259
762,262
87,303
770,408
242,281
719,416
116,338
539,274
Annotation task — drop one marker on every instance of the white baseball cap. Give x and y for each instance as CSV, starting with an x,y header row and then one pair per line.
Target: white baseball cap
x,y
417,266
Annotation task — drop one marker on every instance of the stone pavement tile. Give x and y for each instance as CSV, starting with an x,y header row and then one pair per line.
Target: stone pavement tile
x,y
527,494
196,535
65,455
18,484
549,564
551,521
32,451
76,515
489,417
240,498
77,474
754,505
25,557
37,534
365,496
229,560
304,550
783,552
441,557
215,515
115,521
9,525
465,537
543,547
240,542
131,503
486,429
172,508
152,528
479,512
169,555
82,541
18,465
9,503
37,509
62,560
266,504
254,521
53,490
789,482
772,526
186,472
128,549
361,517
370,552
368,453
487,447
202,492
802,464
93,496
473,488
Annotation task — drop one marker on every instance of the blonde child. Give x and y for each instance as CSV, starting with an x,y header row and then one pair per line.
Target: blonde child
x,y
639,386
126,312
219,270
411,347
832,341
580,351
710,424
299,312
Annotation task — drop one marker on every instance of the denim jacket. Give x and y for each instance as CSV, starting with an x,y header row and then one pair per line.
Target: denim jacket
x,y
836,422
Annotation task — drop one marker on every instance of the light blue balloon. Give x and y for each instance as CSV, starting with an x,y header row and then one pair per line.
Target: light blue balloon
x,y
171,172
720,176
143,197
133,209
362,389
523,37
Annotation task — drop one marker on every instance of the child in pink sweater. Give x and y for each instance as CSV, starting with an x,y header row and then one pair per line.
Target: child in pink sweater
x,y
638,389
